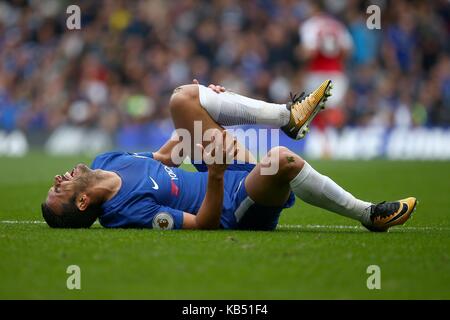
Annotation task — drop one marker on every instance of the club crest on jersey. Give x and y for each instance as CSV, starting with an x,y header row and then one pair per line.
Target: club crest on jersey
x,y
162,221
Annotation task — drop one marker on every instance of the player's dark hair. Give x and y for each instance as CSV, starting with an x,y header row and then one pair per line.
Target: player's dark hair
x,y
71,216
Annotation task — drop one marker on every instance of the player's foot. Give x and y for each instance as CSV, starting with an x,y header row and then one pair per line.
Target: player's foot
x,y
304,110
388,214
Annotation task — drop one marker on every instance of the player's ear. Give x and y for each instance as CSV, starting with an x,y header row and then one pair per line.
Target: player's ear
x,y
82,201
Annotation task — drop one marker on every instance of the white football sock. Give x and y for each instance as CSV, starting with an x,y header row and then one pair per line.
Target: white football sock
x,y
320,191
228,109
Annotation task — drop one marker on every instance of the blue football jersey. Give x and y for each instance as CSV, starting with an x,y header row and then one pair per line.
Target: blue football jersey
x,y
153,195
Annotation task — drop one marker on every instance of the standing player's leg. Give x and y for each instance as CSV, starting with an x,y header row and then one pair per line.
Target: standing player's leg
x,y
297,175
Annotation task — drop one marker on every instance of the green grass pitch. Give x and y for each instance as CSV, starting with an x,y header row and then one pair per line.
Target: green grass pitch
x,y
313,254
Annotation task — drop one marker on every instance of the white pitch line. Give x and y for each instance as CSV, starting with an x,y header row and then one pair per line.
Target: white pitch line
x,y
317,226
26,222
287,226
22,221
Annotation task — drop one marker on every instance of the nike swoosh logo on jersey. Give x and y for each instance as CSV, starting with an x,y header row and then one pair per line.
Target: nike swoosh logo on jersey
x,y
155,185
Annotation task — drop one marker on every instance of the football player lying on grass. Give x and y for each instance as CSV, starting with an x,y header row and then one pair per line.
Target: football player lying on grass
x,y
147,190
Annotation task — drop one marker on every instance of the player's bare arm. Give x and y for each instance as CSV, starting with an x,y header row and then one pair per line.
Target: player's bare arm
x,y
208,217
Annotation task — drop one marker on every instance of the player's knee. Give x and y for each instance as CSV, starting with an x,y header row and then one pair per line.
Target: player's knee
x,y
183,96
289,163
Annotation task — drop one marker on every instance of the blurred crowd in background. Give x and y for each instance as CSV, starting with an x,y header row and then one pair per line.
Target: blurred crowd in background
x,y
117,73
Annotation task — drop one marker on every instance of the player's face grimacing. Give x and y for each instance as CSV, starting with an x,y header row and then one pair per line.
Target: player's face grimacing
x,y
66,186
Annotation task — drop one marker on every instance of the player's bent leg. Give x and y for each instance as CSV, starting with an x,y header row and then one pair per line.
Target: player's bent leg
x,y
228,108
319,190
265,196
274,189
183,101
186,111
296,175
